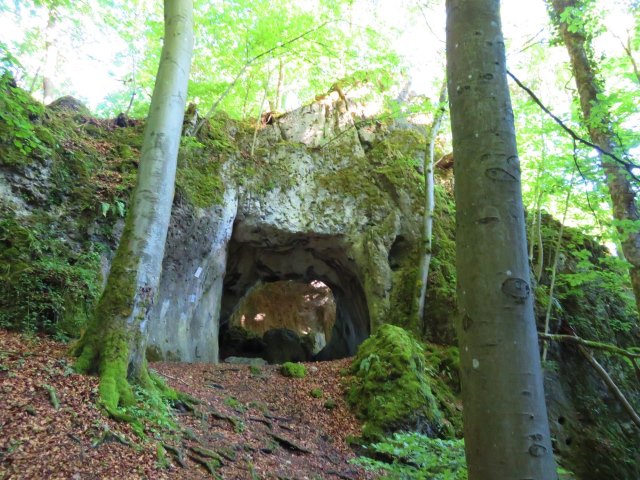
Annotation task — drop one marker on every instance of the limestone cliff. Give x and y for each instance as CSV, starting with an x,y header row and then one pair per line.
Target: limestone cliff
x,y
311,203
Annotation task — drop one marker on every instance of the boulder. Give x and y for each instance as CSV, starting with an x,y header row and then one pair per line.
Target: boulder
x,y
391,391
284,345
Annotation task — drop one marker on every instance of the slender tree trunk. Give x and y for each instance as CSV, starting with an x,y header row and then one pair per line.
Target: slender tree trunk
x,y
429,206
554,267
506,429
623,196
274,105
50,58
114,343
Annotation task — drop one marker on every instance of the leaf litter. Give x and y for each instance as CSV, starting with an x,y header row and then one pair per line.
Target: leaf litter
x,y
249,423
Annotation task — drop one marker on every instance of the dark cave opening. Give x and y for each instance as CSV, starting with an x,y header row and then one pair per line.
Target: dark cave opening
x,y
264,312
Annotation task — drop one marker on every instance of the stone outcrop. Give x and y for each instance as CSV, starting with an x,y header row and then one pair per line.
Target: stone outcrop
x,y
311,204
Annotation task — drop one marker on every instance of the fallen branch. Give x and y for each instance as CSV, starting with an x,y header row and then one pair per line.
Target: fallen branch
x,y
204,452
262,420
289,444
341,475
173,378
210,465
177,453
21,354
53,397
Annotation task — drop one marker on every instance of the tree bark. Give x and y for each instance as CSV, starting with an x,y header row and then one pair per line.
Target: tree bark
x,y
506,429
114,343
623,196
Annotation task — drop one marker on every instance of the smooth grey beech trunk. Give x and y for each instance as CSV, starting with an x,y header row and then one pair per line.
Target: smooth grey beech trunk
x,y
114,343
153,196
506,429
623,194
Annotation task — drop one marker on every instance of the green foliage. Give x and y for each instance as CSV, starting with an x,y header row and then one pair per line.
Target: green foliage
x,y
407,456
592,290
294,370
48,285
391,390
162,461
235,404
151,409
18,114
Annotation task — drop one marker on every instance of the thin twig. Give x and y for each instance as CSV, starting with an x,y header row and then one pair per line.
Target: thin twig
x,y
607,347
173,378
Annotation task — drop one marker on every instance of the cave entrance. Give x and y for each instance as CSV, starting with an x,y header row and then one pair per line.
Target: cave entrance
x,y
290,298
284,320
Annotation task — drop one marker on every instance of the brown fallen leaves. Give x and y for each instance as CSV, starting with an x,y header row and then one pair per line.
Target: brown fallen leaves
x,y
249,424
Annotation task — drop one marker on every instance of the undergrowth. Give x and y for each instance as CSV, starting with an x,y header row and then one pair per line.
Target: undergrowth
x,y
409,456
47,285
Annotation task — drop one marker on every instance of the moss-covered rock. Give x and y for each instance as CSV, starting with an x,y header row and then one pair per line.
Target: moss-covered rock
x,y
392,391
198,176
47,285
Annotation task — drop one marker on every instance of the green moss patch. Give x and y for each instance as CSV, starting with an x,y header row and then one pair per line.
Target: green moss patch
x,y
295,370
392,391
316,393
198,177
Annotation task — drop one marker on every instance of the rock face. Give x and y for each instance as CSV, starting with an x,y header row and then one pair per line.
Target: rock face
x,y
311,205
185,319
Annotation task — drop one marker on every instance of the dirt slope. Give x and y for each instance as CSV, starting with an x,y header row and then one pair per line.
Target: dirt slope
x,y
249,424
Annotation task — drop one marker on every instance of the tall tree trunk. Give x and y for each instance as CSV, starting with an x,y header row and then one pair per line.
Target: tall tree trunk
x,y
506,429
114,343
623,196
429,206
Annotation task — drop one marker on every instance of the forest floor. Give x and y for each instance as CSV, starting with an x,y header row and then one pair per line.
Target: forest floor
x,y
248,425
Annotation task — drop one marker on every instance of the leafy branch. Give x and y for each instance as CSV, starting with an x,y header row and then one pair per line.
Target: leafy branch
x,y
247,64
626,164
